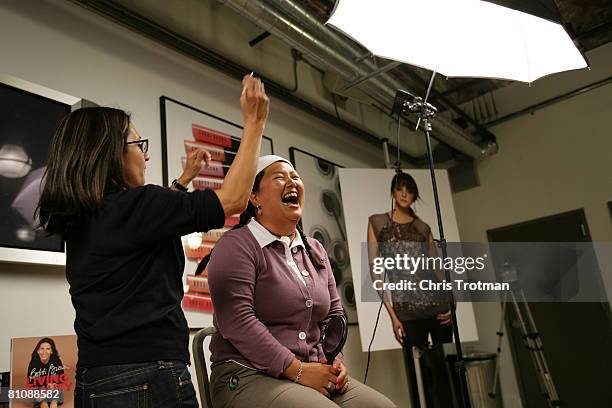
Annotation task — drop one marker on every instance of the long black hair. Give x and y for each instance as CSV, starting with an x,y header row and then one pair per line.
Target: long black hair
x,y
85,163
402,179
251,212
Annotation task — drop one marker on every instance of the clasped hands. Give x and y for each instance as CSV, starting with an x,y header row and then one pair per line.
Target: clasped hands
x,y
323,378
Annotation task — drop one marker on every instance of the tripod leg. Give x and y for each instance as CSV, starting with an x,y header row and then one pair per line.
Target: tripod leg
x,y
529,345
416,356
500,334
539,352
537,357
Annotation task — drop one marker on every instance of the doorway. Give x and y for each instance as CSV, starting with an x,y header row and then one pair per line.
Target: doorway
x,y
577,337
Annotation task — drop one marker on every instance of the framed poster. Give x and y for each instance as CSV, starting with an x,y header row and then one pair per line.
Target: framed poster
x,y
323,219
185,128
29,117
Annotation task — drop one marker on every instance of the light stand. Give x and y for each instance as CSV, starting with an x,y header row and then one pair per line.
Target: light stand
x,y
407,104
531,337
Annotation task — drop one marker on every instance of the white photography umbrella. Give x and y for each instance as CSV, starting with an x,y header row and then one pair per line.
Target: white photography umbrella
x,y
460,38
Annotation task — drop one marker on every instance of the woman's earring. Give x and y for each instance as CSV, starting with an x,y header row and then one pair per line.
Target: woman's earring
x,y
259,211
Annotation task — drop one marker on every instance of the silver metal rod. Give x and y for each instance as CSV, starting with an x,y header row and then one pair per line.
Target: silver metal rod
x,y
534,345
364,56
530,345
372,74
537,340
433,75
431,80
385,147
399,157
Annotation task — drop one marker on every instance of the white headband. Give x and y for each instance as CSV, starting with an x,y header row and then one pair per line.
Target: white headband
x,y
265,161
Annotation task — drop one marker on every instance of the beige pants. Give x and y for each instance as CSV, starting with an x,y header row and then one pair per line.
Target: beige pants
x,y
259,390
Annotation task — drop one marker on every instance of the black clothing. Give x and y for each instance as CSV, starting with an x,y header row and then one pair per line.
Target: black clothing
x,y
124,264
418,331
432,363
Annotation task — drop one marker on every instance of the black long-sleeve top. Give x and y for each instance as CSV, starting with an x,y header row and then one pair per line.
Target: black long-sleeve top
x,y
124,264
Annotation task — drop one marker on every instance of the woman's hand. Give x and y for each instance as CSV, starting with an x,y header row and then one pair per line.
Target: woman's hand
x,y
343,380
445,319
318,376
193,164
342,383
254,101
398,330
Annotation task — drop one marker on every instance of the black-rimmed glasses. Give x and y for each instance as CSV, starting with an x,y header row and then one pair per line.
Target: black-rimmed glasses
x,y
143,144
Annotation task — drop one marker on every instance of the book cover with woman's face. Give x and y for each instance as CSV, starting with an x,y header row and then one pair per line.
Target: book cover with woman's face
x,y
43,371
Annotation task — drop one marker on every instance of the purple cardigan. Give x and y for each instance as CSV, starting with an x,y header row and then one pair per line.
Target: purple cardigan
x,y
264,313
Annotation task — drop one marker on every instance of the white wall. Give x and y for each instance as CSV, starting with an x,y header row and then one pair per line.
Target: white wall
x,y
66,48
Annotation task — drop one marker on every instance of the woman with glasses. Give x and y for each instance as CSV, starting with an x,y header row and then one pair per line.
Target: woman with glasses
x,y
124,259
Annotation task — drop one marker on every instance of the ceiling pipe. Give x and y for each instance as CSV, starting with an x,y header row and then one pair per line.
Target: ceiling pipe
x,y
319,51
128,18
533,108
357,54
291,23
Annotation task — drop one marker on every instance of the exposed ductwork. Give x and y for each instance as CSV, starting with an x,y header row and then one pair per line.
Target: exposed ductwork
x,y
291,23
129,18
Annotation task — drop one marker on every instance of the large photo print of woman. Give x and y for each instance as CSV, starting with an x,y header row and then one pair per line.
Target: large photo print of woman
x,y
380,207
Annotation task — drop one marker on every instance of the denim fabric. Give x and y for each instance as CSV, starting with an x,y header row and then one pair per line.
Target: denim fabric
x,y
141,385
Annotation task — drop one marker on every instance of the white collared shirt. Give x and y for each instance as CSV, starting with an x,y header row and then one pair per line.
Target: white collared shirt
x,y
265,237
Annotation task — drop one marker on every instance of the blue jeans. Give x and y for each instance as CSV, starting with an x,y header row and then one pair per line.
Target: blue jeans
x,y
140,385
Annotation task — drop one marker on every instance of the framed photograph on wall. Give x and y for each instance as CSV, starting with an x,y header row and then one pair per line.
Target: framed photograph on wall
x,y
29,117
184,128
323,219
